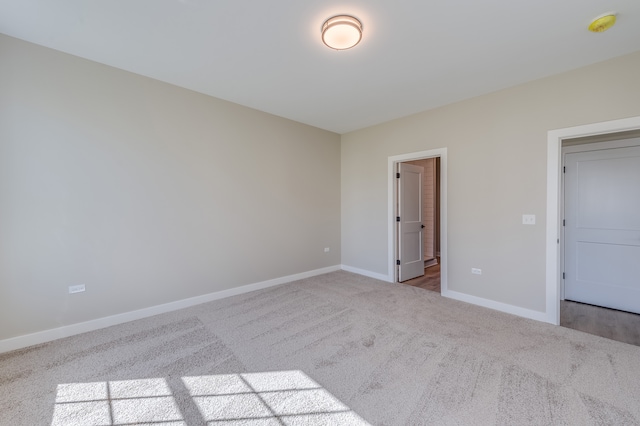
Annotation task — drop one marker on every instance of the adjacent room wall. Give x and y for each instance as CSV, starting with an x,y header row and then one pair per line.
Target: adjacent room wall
x,y
146,193
428,205
497,152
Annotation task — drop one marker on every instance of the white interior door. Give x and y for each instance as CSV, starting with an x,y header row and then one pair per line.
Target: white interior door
x,y
410,227
602,228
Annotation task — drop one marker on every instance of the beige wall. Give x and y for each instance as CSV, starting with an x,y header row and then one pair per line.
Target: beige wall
x,y
146,193
497,151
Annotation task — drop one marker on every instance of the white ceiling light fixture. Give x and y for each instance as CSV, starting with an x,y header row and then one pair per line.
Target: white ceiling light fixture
x,y
341,32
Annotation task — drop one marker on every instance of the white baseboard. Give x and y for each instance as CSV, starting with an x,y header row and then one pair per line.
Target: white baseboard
x,y
474,300
20,342
430,262
498,306
366,273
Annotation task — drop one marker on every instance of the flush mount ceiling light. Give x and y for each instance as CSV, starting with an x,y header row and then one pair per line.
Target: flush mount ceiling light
x,y
602,23
341,32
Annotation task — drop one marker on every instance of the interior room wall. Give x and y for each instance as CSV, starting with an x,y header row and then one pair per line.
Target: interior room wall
x,y
497,153
428,205
146,193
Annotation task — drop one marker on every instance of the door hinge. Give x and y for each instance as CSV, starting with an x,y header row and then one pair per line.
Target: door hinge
x,y
398,262
397,175
397,218
564,169
564,223
563,275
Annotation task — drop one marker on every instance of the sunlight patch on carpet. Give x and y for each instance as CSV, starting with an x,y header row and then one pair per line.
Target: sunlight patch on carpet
x,y
116,403
289,397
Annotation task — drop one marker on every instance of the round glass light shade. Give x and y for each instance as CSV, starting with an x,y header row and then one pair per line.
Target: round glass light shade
x,y
341,32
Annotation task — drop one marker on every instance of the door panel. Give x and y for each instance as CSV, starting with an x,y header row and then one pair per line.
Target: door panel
x,y
410,234
602,230
606,189
613,264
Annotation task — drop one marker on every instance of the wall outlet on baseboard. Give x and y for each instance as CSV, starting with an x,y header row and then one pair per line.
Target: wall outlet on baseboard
x,y
76,288
327,249
476,271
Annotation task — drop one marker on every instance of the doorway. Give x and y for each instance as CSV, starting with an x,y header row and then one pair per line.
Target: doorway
x,y
439,236
600,245
428,276
605,131
601,222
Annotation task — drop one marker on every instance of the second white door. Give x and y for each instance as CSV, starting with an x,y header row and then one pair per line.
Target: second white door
x,y
602,228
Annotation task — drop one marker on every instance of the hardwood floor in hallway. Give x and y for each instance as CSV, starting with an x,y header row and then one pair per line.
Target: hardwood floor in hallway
x,y
604,322
430,280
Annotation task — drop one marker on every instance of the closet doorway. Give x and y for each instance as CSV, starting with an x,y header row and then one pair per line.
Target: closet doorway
x,y
557,140
601,222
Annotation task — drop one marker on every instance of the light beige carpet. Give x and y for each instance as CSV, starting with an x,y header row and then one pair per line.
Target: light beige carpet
x,y
334,349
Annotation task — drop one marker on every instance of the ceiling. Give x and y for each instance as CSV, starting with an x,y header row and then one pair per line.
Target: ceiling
x,y
415,55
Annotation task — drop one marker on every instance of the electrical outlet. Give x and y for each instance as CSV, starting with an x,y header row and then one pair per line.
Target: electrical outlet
x,y
327,249
76,288
528,219
476,271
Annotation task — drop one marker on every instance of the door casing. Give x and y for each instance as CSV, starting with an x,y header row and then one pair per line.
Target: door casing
x,y
554,261
391,213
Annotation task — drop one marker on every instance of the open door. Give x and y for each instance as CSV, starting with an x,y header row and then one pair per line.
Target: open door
x,y
410,228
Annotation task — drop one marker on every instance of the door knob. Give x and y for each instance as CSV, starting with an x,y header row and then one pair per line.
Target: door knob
x,y
421,226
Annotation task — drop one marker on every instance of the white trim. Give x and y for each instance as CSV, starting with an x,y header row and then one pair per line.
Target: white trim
x,y
391,197
554,174
366,273
498,306
20,342
600,146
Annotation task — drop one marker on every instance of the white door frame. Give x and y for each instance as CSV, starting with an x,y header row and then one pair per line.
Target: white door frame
x,y
554,190
392,237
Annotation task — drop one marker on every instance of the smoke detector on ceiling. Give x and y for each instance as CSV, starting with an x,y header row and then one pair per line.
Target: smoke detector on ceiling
x,y
603,22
